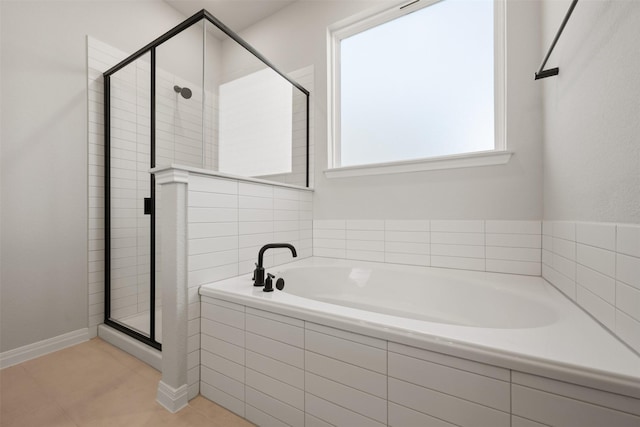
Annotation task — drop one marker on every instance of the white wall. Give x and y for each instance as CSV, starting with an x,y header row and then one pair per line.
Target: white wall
x,y
592,161
44,154
296,37
592,112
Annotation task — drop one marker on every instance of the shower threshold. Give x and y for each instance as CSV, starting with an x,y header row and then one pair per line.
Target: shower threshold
x,y
124,342
140,322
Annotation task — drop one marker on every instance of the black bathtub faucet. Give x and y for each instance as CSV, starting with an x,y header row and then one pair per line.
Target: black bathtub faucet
x,y
258,273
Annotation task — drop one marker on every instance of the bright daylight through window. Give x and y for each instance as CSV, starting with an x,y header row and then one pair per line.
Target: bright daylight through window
x,y
417,83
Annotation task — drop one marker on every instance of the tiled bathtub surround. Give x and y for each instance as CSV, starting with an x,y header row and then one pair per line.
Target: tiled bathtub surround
x,y
497,246
229,220
598,266
282,371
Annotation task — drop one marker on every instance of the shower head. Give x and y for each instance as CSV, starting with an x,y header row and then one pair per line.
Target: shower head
x,y
184,91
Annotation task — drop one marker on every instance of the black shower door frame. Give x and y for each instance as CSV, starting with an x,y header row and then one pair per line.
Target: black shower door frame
x,y
149,209
150,205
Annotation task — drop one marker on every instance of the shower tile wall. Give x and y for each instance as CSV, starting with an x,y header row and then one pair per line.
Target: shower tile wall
x,y
100,57
497,246
129,184
297,176
228,222
178,139
598,266
179,125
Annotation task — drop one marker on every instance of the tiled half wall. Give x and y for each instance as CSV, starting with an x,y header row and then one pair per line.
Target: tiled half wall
x,y
597,265
228,222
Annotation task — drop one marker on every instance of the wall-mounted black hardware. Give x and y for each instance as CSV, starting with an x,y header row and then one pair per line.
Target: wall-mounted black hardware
x,y
542,73
268,283
185,92
547,73
148,205
258,273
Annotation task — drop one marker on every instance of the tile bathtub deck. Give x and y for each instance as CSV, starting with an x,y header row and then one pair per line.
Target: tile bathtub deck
x,y
95,384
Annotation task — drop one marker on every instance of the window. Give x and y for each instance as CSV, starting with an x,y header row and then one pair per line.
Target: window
x,y
416,83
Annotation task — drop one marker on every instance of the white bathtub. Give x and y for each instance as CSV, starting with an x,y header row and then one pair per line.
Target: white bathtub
x,y
434,296
511,321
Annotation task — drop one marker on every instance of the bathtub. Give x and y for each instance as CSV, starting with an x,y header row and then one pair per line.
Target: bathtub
x,y
519,324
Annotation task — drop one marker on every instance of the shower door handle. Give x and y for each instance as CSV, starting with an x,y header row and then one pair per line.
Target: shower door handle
x,y
148,205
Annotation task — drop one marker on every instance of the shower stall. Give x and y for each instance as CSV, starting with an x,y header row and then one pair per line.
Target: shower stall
x,y
198,96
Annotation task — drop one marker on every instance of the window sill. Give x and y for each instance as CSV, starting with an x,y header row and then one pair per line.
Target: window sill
x,y
483,158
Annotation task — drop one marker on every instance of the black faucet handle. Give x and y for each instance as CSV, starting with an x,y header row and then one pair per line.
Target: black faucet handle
x,y
258,276
268,284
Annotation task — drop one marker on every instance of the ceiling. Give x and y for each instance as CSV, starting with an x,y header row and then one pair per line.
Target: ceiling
x,y
235,14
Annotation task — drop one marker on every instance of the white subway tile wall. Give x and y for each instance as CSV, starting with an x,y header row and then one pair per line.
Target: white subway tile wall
x,y
283,371
100,58
407,242
514,247
556,403
330,238
345,369
598,266
178,139
297,176
228,222
498,246
458,244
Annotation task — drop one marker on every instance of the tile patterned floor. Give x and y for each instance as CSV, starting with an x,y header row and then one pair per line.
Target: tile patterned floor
x,y
95,384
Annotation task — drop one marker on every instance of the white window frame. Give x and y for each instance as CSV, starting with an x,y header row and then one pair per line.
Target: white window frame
x,y
380,15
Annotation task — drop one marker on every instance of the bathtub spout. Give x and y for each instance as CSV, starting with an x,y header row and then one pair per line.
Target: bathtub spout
x,y
258,273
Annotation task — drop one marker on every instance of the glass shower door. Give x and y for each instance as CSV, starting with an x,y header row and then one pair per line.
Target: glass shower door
x,y
174,102
130,197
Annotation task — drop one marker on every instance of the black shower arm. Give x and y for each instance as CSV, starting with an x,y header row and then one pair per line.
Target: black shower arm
x,y
542,73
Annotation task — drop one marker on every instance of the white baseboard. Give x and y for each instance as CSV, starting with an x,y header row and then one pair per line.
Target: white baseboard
x,y
40,348
93,331
172,399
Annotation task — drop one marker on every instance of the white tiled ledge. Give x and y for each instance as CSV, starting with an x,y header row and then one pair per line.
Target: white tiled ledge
x,y
483,245
207,172
482,158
